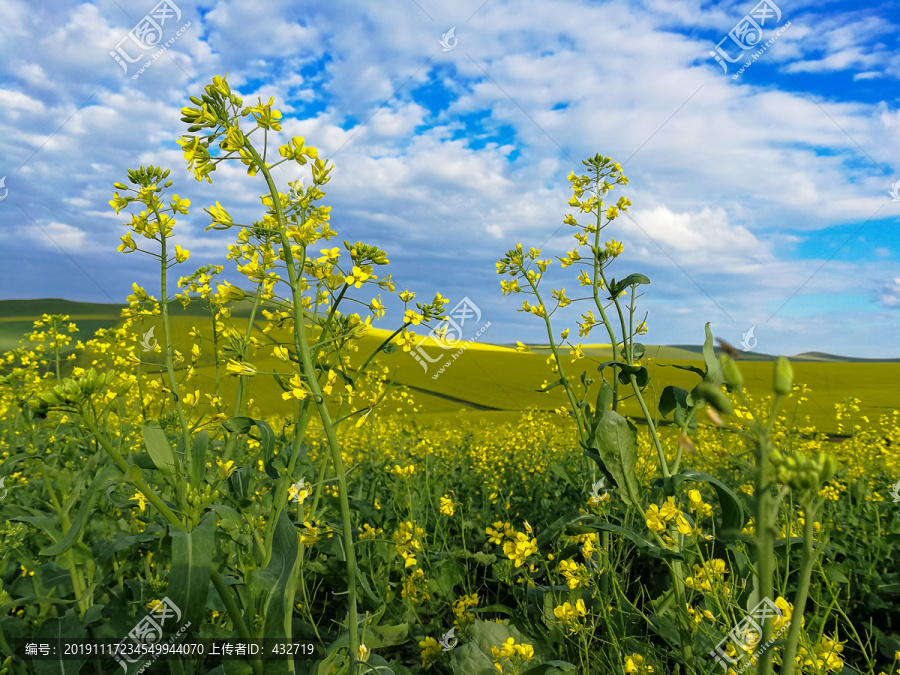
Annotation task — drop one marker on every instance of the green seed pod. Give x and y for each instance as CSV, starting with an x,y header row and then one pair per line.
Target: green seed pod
x,y
731,372
784,376
776,458
828,469
791,463
715,397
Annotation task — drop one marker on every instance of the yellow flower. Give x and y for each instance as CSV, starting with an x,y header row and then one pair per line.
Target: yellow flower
x,y
377,308
447,507
431,648
635,664
127,245
299,491
356,277
141,500
238,368
181,255
225,468
614,248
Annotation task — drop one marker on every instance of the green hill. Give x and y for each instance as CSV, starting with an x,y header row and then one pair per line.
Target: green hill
x,y
495,381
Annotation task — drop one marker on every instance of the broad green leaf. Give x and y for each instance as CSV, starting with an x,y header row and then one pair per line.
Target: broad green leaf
x,y
238,425
160,450
269,587
191,566
616,443
672,397
69,628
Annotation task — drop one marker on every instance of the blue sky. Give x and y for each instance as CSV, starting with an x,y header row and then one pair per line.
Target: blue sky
x,y
761,198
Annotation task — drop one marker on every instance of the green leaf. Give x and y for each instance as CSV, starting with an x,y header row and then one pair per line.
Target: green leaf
x,y
693,369
561,472
268,586
160,450
239,481
198,457
554,385
238,425
556,527
734,516
191,566
616,443
109,475
642,375
117,543
267,438
672,397
68,628
591,523
616,287
637,350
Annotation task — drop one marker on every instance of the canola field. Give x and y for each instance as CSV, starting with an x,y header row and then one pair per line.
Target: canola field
x,y
255,479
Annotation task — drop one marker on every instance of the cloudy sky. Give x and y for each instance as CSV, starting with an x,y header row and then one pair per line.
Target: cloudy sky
x,y
761,197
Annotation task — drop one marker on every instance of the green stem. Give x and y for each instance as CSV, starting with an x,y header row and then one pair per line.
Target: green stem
x,y
170,368
235,614
302,345
807,559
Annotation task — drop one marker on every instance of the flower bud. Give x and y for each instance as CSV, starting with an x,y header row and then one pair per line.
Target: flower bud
x,y
715,397
784,376
731,372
